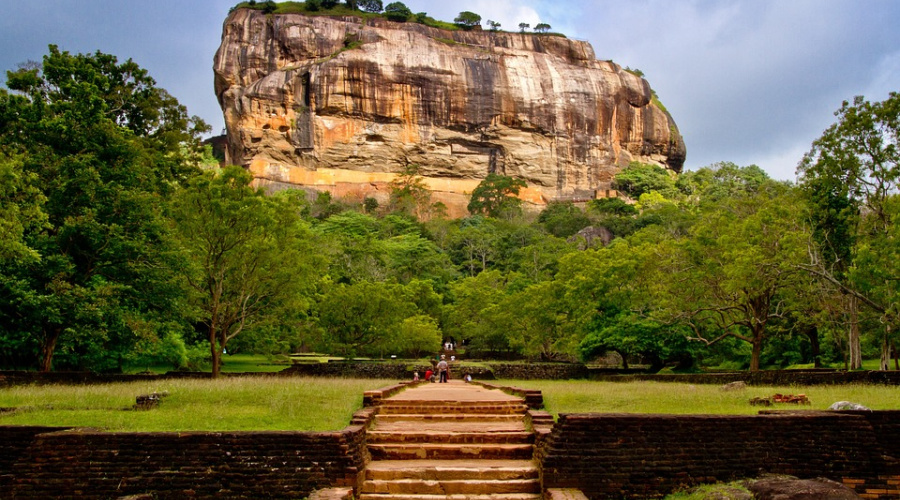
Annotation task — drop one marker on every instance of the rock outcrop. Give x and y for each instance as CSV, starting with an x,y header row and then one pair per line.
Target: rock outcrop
x,y
342,103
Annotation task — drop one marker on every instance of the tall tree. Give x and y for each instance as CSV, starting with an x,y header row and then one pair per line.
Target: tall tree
x,y
410,194
397,11
849,176
103,146
495,196
730,277
468,19
248,253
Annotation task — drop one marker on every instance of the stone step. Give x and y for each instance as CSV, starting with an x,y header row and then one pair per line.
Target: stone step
x,y
507,496
452,487
437,428
413,436
451,417
452,407
441,470
423,451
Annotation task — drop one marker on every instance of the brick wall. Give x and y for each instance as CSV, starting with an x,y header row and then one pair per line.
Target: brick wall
x,y
80,464
764,377
521,371
648,456
14,441
539,371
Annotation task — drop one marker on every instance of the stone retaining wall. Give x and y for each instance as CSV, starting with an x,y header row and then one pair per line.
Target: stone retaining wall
x,y
539,371
14,441
765,377
648,456
491,371
102,465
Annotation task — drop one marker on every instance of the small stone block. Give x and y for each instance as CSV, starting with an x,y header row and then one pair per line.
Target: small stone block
x,y
563,494
332,494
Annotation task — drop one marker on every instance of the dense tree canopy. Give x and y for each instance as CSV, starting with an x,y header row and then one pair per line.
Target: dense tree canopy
x,y
850,178
89,149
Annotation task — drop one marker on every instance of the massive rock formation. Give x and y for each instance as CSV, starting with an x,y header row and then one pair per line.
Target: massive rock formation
x,y
341,104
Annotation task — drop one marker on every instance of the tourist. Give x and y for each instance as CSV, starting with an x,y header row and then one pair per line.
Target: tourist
x,y
468,378
415,376
429,375
443,369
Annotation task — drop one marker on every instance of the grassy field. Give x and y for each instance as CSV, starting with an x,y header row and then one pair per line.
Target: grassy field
x,y
231,363
662,397
317,404
245,403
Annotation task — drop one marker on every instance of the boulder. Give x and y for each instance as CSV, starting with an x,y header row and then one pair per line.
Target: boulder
x,y
592,236
800,489
734,386
847,405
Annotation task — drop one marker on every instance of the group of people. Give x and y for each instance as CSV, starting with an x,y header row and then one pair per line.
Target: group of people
x,y
441,372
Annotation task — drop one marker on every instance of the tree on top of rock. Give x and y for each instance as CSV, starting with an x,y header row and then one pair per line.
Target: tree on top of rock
x,y
468,19
371,5
397,11
542,28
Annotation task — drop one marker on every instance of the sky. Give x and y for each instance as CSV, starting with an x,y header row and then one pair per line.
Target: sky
x,y
747,81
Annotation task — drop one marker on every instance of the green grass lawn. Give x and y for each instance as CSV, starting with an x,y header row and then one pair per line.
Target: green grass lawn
x,y
663,397
318,404
245,403
231,363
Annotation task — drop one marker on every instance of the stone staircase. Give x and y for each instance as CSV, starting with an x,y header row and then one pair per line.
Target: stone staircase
x,y
451,441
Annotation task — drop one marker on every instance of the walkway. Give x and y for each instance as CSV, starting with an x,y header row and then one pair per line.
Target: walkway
x,y
451,441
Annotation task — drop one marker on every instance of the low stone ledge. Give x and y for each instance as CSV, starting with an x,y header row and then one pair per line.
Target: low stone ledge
x,y
533,398
374,397
332,494
563,494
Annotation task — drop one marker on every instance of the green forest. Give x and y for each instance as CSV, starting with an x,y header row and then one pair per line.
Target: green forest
x,y
122,243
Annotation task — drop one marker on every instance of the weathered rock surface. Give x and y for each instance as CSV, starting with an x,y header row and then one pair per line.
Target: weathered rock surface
x,y
342,104
800,489
847,405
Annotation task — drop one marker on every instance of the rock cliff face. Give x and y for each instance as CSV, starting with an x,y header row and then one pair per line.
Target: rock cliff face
x,y
341,104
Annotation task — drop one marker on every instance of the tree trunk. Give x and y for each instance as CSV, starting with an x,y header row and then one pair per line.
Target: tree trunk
x,y
886,350
853,340
815,349
757,350
896,356
48,346
624,359
215,351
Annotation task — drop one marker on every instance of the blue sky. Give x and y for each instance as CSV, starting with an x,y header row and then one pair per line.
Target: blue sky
x,y
747,81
